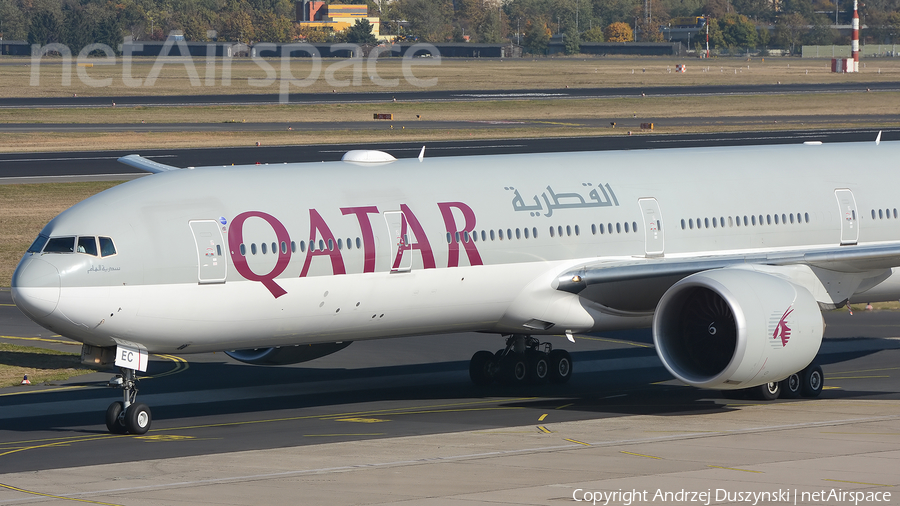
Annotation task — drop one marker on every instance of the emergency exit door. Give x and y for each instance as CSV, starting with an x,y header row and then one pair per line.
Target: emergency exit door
x,y
654,236
212,266
848,215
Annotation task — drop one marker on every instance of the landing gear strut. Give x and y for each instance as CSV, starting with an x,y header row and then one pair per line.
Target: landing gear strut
x,y
524,360
127,416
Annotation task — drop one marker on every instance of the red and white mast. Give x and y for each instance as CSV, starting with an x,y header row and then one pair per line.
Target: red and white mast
x,y
854,44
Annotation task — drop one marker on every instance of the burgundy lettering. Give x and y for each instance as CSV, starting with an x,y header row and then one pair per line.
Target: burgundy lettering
x,y
317,226
236,238
421,243
450,222
368,237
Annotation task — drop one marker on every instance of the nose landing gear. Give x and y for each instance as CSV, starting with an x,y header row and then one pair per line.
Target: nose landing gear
x,y
127,416
524,360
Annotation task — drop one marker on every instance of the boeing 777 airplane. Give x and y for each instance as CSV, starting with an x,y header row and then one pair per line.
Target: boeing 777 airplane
x,y
730,254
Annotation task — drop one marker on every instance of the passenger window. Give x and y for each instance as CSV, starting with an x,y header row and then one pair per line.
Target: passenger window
x,y
691,223
253,248
87,245
483,236
38,244
321,245
293,247
264,248
526,233
330,244
302,246
492,235
340,243
283,247
618,228
358,243
534,232
776,219
682,225
873,214
60,245
594,228
243,250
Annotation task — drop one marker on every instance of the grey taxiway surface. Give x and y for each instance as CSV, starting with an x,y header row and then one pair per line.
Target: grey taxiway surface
x,y
397,422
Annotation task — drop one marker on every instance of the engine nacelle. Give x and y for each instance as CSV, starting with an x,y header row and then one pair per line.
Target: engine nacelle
x,y
736,328
285,355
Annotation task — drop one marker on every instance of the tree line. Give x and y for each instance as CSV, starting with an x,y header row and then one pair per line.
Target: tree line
x,y
733,24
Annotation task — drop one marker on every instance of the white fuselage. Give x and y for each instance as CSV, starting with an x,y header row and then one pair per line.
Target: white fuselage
x,y
438,246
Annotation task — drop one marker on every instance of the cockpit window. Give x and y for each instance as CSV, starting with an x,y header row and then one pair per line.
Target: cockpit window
x,y
38,244
60,245
87,245
107,247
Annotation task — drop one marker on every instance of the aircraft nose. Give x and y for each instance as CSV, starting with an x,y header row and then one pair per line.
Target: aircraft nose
x,y
35,287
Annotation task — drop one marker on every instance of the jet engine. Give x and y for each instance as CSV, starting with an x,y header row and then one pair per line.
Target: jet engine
x,y
285,355
736,328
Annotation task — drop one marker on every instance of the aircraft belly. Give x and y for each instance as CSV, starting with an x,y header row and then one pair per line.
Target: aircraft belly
x,y
235,315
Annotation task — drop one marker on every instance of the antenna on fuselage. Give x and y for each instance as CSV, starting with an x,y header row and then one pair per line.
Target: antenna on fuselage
x,y
878,139
422,154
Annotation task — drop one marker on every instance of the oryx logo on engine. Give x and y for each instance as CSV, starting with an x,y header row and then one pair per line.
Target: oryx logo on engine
x,y
779,329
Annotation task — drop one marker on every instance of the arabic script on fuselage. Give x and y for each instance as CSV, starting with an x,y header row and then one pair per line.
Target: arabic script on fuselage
x,y
550,201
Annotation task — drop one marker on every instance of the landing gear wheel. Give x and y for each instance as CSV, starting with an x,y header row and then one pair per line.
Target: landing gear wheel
x,y
790,386
538,367
767,391
114,418
481,368
560,366
137,418
513,369
813,381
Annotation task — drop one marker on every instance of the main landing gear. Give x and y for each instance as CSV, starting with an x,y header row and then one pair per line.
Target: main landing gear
x,y
127,416
805,383
524,360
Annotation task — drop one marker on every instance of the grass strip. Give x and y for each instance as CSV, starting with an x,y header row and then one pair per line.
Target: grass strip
x,y
41,365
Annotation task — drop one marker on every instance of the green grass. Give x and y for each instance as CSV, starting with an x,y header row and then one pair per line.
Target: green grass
x,y
39,364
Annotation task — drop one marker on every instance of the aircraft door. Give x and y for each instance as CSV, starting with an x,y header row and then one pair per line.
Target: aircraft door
x,y
654,236
398,235
848,215
212,265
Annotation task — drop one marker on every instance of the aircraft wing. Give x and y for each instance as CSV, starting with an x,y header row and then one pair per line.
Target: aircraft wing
x,y
146,164
606,280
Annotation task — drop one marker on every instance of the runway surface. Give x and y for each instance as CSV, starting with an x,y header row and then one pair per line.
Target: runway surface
x,y
445,95
398,421
864,121
97,165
